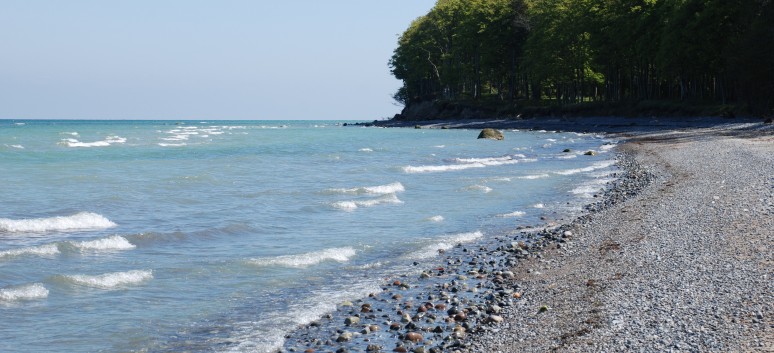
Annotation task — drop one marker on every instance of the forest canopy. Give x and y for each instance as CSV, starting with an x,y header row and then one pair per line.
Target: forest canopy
x,y
581,51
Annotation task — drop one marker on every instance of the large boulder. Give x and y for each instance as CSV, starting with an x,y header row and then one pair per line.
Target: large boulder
x,y
491,134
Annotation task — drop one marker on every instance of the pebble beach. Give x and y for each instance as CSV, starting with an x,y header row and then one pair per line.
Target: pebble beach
x,y
675,256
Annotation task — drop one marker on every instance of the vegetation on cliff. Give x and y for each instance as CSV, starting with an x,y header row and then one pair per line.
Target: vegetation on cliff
x,y
599,53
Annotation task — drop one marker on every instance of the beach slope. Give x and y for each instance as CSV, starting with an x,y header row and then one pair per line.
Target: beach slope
x,y
687,265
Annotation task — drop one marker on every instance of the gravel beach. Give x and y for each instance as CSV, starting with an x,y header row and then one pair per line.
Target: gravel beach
x,y
676,256
684,266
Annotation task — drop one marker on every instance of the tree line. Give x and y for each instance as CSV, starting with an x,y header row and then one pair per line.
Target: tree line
x,y
577,51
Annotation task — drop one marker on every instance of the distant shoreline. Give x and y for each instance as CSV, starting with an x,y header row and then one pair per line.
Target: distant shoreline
x,y
576,124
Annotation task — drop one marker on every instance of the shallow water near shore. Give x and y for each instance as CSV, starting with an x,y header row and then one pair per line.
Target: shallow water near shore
x,y
226,235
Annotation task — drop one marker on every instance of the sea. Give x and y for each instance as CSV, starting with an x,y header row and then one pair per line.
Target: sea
x,y
224,236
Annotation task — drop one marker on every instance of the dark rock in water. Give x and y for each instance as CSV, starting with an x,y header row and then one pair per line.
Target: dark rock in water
x,y
567,150
417,126
768,121
351,320
491,134
400,349
373,348
590,153
444,127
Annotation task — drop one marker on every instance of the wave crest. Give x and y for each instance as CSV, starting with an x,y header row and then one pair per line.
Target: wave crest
x,y
306,259
111,280
41,250
78,221
355,204
444,243
373,190
115,242
24,292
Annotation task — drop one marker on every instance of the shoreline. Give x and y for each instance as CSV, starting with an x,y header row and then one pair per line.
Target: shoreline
x,y
471,283
477,302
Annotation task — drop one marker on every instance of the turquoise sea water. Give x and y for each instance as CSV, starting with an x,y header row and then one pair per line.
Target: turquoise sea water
x,y
155,236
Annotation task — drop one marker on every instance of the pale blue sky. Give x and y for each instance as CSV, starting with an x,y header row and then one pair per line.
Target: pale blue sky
x,y
186,59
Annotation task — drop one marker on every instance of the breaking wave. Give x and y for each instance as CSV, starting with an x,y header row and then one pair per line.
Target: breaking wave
x,y
306,259
111,280
78,221
23,292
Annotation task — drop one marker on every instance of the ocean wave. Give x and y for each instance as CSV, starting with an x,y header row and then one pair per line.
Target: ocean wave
x,y
19,147
355,204
593,167
172,144
489,160
23,292
111,280
440,168
435,219
443,243
266,334
306,259
78,221
567,156
374,190
71,142
468,163
115,242
41,250
539,205
513,214
607,147
534,176
366,150
481,188
589,188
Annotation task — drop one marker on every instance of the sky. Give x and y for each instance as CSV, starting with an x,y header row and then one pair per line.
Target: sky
x,y
189,59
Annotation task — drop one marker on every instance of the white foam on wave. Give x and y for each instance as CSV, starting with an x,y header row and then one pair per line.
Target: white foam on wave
x,y
607,147
443,243
481,188
567,156
468,163
78,221
539,205
513,214
589,188
489,160
172,144
111,280
110,140
306,259
373,190
16,146
438,218
40,250
366,150
355,204
23,292
440,168
534,176
267,333
591,168
113,243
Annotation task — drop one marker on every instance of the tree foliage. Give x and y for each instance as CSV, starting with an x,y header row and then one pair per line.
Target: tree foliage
x,y
571,51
